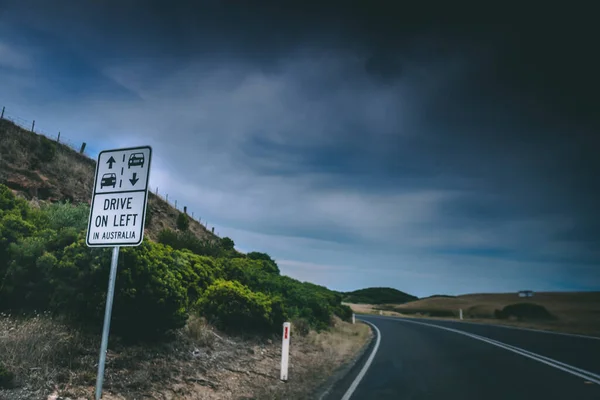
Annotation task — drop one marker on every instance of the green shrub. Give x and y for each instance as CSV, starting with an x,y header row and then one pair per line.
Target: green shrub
x,y
9,202
523,311
227,243
183,222
187,240
168,237
300,326
151,296
269,264
66,215
234,307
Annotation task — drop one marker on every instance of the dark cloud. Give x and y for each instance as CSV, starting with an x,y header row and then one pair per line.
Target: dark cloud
x,y
348,122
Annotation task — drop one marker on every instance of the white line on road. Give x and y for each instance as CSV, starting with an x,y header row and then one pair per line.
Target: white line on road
x,y
590,376
518,328
365,367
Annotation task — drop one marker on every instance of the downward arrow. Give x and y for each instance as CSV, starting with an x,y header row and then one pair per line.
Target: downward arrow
x,y
110,162
134,179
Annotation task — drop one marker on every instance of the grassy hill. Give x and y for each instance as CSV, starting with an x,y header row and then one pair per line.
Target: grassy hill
x,y
40,169
180,269
183,282
378,295
577,312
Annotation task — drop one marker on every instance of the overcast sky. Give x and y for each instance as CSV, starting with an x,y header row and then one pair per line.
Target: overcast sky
x,y
358,146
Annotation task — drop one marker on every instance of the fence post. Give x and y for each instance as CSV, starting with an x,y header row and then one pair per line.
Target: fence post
x,y
2,115
353,319
213,229
82,148
175,204
157,190
192,215
460,313
167,199
285,351
58,139
32,125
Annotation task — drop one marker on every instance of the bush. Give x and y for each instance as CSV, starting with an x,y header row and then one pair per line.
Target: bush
x,y
300,326
523,311
234,307
66,215
183,222
269,264
151,296
187,240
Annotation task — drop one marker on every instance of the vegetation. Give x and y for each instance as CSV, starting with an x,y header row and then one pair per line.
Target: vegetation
x,y
233,306
378,295
524,311
45,265
183,222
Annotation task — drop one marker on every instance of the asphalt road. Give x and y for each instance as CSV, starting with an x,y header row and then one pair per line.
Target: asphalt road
x,y
427,359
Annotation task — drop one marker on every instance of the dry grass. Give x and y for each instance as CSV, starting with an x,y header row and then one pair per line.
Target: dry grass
x,y
576,312
200,332
314,358
48,357
43,353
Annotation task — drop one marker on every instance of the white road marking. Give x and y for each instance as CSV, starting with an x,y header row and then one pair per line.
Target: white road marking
x,y
365,367
590,376
527,329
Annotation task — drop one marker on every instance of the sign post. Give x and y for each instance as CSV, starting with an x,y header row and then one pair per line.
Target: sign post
x,y
285,351
117,217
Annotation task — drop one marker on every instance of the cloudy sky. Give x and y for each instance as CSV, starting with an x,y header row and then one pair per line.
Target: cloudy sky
x,y
359,146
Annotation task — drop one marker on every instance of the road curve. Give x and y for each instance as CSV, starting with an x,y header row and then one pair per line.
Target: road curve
x,y
426,359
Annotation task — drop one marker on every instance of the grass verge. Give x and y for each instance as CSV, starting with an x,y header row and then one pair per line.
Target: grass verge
x,y
46,359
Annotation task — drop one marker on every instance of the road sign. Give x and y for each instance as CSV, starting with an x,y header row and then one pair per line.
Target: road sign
x,y
119,199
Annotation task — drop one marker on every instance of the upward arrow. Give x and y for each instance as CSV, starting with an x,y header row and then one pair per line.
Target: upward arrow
x,y
134,179
110,162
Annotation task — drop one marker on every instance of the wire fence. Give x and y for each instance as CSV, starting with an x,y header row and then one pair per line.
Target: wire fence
x,y
30,125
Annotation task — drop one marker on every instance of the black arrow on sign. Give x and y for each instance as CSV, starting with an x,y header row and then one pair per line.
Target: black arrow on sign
x,y
134,179
110,162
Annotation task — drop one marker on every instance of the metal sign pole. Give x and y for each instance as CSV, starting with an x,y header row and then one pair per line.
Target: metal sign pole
x,y
107,314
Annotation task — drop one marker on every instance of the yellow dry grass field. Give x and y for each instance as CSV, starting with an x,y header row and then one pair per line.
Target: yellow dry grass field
x,y
576,312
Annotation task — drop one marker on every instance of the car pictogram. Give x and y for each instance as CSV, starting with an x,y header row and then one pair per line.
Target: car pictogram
x,y
109,179
135,160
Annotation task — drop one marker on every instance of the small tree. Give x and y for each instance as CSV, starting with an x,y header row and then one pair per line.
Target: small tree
x,y
227,243
183,223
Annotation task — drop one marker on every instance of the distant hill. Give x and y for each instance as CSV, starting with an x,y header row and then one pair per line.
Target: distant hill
x,y
378,295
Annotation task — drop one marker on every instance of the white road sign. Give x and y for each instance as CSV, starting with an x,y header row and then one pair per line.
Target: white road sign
x,y
119,199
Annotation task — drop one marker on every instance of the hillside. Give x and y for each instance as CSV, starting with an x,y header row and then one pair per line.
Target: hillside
x,y
378,295
576,312
173,293
40,169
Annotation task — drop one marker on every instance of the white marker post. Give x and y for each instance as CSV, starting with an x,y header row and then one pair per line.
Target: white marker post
x,y
460,313
353,319
285,351
380,312
117,218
